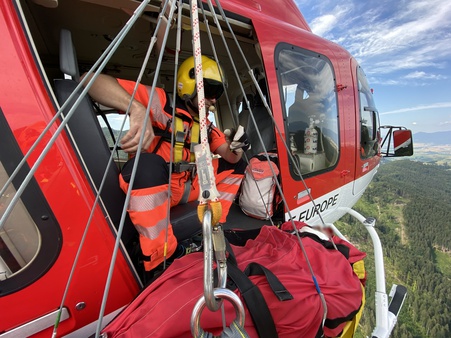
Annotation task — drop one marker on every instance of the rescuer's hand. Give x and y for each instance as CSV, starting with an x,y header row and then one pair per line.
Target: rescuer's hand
x,y
130,141
239,142
106,90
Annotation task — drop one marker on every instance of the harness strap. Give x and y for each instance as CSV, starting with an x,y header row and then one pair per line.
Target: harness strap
x,y
163,135
179,137
180,142
186,191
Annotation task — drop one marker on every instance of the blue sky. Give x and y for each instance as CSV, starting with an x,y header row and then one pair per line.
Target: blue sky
x,y
405,49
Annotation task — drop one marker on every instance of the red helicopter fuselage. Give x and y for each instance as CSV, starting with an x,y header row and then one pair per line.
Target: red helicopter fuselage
x,y
50,219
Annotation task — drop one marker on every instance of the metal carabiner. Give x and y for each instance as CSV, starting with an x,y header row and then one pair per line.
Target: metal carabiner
x,y
208,233
226,294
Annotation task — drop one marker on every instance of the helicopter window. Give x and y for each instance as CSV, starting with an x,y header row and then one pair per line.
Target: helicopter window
x,y
369,120
30,225
111,125
111,129
19,238
308,94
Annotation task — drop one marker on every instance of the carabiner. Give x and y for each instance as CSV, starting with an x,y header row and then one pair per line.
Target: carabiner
x,y
226,294
219,248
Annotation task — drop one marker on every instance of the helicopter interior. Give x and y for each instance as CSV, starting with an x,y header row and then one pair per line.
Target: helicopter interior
x,y
69,39
68,46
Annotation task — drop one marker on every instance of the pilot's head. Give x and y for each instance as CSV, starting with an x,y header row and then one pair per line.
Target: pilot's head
x,y
213,79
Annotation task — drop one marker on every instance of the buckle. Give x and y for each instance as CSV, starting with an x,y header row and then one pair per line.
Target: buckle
x,y
183,166
180,137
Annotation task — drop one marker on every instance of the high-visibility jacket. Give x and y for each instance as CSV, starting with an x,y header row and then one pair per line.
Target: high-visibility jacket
x,y
161,115
148,206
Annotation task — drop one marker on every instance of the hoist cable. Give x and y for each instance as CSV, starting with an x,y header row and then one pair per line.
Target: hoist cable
x,y
112,47
268,109
138,153
174,90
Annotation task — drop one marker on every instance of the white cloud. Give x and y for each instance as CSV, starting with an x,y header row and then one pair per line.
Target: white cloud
x,y
424,75
323,24
389,36
438,105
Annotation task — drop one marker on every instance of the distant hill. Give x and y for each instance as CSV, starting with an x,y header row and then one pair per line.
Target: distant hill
x,y
437,138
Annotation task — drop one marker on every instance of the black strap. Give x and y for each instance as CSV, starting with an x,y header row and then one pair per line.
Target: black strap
x,y
254,269
163,135
255,302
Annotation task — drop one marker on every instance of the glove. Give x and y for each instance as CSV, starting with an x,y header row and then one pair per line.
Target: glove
x,y
239,142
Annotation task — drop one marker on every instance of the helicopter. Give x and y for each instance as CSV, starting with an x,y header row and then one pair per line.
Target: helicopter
x,y
60,161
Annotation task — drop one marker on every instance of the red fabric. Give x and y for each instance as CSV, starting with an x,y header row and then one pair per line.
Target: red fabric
x,y
164,308
354,253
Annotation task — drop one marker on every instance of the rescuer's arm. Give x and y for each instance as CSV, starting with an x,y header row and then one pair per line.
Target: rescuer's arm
x,y
237,144
107,91
228,155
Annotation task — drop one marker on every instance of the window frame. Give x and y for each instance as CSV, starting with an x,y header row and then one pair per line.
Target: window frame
x,y
286,46
368,110
34,201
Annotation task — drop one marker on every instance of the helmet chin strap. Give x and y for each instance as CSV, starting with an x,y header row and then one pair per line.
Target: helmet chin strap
x,y
190,104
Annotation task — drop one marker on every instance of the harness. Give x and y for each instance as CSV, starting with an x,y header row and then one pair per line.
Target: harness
x,y
180,142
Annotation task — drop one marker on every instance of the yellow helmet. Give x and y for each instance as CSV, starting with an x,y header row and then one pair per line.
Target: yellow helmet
x,y
186,82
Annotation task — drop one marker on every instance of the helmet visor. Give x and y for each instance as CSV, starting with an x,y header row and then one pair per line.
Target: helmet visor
x,y
213,89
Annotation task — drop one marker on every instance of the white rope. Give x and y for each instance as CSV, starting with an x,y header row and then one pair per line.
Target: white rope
x,y
204,163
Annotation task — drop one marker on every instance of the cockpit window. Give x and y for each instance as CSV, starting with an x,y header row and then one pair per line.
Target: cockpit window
x,y
309,99
369,119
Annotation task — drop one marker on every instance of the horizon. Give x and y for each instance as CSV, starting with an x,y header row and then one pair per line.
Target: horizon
x,y
404,49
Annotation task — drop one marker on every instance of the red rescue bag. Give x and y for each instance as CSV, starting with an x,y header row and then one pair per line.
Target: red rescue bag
x,y
164,308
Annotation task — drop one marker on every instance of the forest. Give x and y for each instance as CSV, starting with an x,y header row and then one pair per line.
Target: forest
x,y
411,203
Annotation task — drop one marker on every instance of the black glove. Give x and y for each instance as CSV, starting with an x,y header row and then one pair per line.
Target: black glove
x,y
239,139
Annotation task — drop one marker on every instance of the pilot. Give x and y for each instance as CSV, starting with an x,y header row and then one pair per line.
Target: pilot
x,y
149,196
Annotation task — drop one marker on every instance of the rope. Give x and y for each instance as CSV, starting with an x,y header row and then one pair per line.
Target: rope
x,y
208,192
270,114
138,153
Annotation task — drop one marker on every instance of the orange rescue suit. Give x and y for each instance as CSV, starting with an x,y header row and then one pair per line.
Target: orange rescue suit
x,y
148,205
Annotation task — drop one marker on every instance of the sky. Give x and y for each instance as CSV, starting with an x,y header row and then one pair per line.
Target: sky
x,y
403,46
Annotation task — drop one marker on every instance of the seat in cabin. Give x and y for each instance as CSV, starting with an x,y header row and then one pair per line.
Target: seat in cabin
x,y
88,138
265,126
